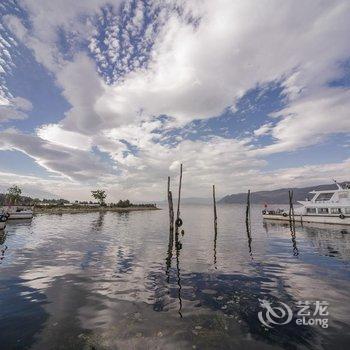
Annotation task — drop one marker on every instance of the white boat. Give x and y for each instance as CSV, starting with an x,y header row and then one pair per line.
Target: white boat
x,y
17,212
326,207
3,220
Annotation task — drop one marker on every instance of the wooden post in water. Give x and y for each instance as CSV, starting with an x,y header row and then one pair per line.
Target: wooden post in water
x,y
171,207
179,198
291,207
248,224
292,223
247,212
215,225
215,213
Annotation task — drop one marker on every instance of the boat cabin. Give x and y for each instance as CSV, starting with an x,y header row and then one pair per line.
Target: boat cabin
x,y
328,203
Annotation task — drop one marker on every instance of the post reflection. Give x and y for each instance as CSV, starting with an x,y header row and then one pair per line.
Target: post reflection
x,y
178,247
3,246
215,241
293,235
168,260
97,224
169,253
249,237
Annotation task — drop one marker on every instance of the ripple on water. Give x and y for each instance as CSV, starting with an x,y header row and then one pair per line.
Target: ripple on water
x,y
108,280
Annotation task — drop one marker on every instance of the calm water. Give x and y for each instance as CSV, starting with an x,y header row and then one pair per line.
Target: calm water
x,y
112,281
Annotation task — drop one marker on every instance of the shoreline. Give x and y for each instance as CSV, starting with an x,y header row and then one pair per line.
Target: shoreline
x,y
63,210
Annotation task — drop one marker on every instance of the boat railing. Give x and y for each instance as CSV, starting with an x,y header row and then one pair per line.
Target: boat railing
x,y
274,212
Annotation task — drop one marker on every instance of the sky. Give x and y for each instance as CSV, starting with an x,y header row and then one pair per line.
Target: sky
x,y
116,94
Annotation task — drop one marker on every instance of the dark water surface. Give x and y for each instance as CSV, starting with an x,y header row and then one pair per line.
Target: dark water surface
x,y
113,281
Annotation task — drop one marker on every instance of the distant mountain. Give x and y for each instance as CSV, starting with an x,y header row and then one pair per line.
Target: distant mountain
x,y
279,196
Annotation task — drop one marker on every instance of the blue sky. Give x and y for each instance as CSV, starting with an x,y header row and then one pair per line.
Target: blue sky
x,y
116,94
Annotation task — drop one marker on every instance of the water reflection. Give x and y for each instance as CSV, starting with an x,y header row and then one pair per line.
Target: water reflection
x,y
19,223
294,241
178,247
215,241
108,281
169,254
249,236
3,246
328,240
97,224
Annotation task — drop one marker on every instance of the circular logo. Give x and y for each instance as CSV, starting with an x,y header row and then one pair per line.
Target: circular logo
x,y
274,315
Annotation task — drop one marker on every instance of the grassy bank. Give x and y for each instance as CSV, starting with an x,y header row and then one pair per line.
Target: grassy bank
x,y
76,210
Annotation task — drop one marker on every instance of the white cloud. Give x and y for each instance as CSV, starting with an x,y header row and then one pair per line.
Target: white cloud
x,y
305,175
14,109
35,186
4,101
54,134
49,16
263,129
82,88
307,121
197,71
202,61
73,163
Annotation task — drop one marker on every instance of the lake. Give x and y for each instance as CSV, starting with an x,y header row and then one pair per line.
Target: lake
x,y
113,281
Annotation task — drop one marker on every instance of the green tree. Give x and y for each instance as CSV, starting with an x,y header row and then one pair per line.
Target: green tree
x,y
124,204
13,194
100,196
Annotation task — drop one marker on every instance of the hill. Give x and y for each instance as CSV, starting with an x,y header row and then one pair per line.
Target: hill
x,y
279,196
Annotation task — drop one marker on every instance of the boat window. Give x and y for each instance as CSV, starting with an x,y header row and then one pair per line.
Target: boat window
x,y
323,210
313,197
347,210
311,210
324,196
335,211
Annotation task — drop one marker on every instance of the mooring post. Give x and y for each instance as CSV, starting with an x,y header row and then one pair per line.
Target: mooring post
x,y
171,207
248,224
291,207
214,203
215,225
247,213
178,224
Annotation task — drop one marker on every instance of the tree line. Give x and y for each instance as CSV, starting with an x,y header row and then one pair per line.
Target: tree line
x,y
13,196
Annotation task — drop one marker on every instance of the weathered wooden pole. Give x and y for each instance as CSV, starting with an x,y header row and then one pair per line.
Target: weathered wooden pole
x,y
214,203
247,212
291,207
215,225
178,220
248,224
171,207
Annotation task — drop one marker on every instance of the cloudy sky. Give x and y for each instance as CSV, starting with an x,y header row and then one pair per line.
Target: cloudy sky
x,y
116,94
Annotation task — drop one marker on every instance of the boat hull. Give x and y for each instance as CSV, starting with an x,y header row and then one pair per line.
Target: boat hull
x,y
310,218
20,215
